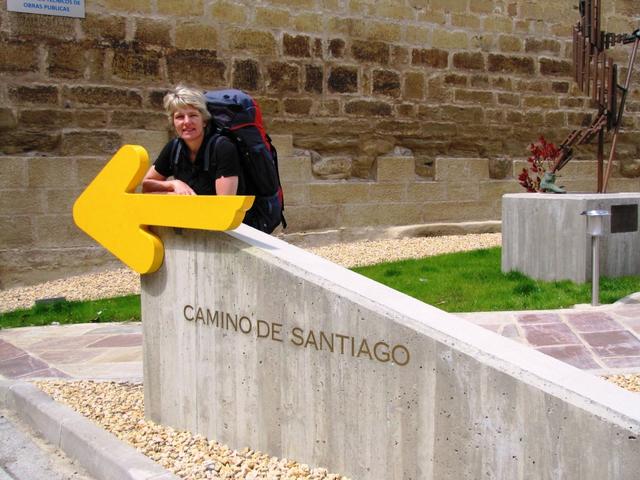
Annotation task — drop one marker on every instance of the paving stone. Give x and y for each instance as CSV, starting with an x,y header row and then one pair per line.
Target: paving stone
x,y
592,322
613,344
575,355
629,311
68,356
70,342
622,362
115,329
550,334
130,340
536,318
8,351
46,373
511,331
22,365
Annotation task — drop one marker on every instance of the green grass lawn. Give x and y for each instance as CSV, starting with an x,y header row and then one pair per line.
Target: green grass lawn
x,y
472,282
455,282
119,309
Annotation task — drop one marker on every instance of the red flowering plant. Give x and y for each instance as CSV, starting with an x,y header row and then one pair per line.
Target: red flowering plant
x,y
542,158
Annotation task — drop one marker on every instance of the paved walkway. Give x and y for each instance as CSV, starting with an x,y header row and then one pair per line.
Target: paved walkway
x,y
602,340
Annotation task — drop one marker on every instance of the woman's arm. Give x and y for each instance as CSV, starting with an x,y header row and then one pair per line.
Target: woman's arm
x,y
227,185
153,182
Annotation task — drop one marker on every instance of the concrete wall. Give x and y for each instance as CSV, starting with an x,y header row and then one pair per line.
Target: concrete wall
x,y
436,100
545,237
456,401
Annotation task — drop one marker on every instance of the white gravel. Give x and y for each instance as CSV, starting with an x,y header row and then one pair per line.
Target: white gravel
x,y
123,281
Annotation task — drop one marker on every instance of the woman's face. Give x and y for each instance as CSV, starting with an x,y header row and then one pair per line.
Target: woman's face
x,y
188,123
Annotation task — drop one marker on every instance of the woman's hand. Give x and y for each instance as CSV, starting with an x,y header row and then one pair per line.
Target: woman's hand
x,y
178,187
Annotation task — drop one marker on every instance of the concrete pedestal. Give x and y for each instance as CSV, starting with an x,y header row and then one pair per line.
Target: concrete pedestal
x,y
545,237
255,343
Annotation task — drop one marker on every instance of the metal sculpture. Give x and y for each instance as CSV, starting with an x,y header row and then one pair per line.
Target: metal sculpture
x,y
597,77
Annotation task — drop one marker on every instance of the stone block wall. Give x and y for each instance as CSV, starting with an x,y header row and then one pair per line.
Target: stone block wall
x,y
384,100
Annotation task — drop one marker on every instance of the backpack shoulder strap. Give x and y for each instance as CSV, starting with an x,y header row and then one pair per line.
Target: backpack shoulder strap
x,y
212,144
176,151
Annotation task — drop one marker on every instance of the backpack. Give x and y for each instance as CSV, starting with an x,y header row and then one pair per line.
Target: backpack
x,y
236,116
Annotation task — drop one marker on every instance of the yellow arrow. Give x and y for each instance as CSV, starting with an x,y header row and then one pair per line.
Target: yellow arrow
x,y
116,218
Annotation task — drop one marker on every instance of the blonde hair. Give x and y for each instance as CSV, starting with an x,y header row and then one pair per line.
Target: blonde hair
x,y
182,96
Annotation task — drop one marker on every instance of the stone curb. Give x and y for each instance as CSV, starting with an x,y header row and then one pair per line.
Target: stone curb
x,y
98,451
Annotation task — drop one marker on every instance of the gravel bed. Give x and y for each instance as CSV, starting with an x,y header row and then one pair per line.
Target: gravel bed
x,y
124,281
629,382
119,409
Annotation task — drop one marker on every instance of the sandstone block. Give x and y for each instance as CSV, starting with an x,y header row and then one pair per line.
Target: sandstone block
x,y
29,26
418,35
500,168
283,77
337,192
426,192
78,96
396,169
313,78
270,17
296,45
510,43
296,194
431,57
331,167
473,96
38,94
283,143
143,119
294,168
308,22
512,99
22,201
382,193
186,8
50,172
304,217
43,118
540,45
90,142
365,215
538,101
449,5
469,60
104,27
336,47
66,60
511,64
51,231
457,80
630,168
493,190
135,64
153,32
60,202
226,12
152,141
196,36
128,6
395,11
367,108
7,119
13,173
297,106
253,41
554,67
456,170
466,21
88,167
560,87
370,51
18,57
414,85
467,191
386,82
387,32
246,75
17,231
343,80
445,39
498,24
202,66
17,141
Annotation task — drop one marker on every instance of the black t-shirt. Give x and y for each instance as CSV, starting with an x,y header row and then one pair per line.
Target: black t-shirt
x,y
224,162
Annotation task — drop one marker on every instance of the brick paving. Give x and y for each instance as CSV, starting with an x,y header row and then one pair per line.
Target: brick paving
x,y
602,340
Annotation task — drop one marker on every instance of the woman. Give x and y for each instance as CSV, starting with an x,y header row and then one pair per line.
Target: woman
x,y
187,111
